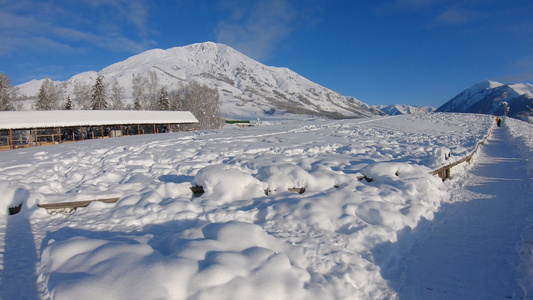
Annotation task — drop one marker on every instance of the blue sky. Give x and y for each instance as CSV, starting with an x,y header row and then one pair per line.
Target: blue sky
x,y
418,52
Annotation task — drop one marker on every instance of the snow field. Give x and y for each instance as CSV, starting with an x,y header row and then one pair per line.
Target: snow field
x,y
234,241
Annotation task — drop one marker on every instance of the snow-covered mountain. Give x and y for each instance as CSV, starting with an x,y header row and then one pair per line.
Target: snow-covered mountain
x,y
399,109
487,97
247,87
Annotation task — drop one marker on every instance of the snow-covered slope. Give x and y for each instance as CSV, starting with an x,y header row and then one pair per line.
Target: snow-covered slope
x,y
487,97
247,87
399,109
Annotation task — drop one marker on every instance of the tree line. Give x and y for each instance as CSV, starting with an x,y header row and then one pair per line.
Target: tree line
x,y
147,94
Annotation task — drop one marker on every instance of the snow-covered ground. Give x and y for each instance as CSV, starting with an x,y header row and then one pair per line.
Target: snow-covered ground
x,y
520,134
234,241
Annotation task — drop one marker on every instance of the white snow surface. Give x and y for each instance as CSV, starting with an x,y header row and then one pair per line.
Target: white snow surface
x,y
234,241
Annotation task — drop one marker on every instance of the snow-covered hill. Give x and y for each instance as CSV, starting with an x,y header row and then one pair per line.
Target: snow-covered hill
x,y
487,97
399,109
247,87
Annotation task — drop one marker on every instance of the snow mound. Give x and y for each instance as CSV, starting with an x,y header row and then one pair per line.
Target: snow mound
x,y
12,196
228,183
441,156
232,260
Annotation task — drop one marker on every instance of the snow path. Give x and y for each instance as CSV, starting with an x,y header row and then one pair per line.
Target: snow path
x,y
470,249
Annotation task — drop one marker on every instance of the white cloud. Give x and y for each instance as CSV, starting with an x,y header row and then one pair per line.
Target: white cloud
x,y
396,6
256,27
457,15
48,26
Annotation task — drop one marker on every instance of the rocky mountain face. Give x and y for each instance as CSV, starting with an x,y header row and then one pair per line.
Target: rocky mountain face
x,y
247,88
490,97
398,109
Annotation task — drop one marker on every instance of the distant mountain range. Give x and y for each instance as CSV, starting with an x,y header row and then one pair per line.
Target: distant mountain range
x,y
399,109
488,97
248,89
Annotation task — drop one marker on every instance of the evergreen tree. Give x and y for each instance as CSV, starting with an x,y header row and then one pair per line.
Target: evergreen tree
x,y
99,95
7,93
68,105
164,103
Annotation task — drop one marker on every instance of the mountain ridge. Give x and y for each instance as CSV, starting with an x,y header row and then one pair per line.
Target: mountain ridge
x,y
402,109
488,97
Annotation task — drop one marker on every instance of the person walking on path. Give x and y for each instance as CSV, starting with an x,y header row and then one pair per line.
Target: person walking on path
x,y
498,121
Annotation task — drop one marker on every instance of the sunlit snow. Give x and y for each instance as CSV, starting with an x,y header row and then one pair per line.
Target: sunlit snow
x,y
247,236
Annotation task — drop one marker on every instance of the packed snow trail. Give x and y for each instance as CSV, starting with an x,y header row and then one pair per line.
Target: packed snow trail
x,y
470,249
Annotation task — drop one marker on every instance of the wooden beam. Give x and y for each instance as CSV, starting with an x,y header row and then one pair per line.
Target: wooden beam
x,y
10,137
75,204
297,190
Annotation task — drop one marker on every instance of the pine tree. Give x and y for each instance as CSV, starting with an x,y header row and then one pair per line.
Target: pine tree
x,y
164,103
68,105
7,93
98,99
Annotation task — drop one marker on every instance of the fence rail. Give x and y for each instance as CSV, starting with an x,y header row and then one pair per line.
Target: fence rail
x,y
445,171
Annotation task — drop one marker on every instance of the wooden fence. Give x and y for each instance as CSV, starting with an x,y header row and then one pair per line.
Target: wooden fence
x,y
445,171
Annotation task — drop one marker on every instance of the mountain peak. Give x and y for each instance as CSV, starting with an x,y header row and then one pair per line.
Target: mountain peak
x,y
247,88
485,84
488,96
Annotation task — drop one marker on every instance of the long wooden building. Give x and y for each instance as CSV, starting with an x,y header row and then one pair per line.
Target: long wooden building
x,y
21,129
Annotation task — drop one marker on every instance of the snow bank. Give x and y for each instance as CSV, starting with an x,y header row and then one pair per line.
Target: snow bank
x,y
228,183
12,196
232,260
520,134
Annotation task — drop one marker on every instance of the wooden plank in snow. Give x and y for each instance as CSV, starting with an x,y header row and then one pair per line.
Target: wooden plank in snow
x,y
75,204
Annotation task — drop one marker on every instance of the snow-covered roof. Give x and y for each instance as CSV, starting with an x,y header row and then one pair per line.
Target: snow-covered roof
x,y
72,118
